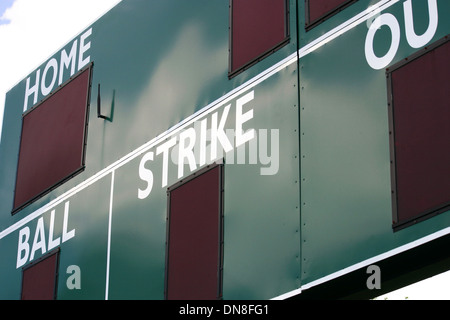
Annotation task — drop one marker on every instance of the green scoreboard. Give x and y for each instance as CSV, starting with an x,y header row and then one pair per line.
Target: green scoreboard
x,y
241,149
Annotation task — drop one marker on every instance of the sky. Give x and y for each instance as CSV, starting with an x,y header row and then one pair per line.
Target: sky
x,y
28,37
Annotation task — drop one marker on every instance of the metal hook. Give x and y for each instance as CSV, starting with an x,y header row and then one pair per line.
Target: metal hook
x,y
99,111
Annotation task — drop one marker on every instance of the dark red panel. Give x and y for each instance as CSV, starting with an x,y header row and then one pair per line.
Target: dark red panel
x,y
52,141
194,245
421,112
320,8
39,280
257,26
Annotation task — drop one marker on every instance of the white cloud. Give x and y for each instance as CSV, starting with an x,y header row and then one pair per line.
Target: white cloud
x,y
36,30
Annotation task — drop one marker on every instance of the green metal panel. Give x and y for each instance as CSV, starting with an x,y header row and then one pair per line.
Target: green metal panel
x,y
345,168
155,81
83,242
306,200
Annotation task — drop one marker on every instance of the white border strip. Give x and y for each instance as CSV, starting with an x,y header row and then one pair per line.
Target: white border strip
x,y
368,262
154,142
346,26
108,252
319,42
330,35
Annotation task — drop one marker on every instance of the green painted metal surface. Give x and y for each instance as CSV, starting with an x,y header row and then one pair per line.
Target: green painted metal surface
x,y
153,76
306,198
345,169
